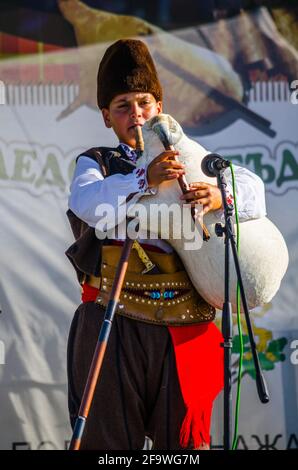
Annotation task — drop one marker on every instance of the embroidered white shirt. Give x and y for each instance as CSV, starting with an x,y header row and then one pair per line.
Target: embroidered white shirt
x,y
89,189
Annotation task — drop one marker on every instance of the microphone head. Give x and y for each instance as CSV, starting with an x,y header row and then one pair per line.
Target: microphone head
x,y
206,164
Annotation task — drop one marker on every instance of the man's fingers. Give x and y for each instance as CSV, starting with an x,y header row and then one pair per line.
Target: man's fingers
x,y
199,185
171,164
172,172
165,155
195,194
171,176
204,201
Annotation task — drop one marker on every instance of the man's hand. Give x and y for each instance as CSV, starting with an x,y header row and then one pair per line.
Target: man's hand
x,y
204,193
164,168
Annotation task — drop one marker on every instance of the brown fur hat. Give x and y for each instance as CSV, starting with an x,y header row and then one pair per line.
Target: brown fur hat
x,y
125,67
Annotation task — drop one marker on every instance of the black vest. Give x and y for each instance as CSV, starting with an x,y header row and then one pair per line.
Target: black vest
x,y
85,252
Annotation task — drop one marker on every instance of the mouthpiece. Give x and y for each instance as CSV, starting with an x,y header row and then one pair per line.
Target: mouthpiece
x,y
139,141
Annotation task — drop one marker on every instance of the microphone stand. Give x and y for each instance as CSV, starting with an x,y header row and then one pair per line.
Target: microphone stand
x,y
227,321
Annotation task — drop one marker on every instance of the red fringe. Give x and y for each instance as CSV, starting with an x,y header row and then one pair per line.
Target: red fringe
x,y
199,360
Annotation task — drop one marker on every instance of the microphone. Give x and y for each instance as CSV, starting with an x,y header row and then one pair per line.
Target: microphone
x,y
213,164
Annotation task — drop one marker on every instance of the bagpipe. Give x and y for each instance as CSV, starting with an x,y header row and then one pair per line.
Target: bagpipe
x,y
263,253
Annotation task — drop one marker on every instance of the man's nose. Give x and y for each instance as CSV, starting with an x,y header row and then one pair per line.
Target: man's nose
x,y
136,110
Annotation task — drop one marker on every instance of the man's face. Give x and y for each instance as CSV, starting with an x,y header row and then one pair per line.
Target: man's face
x,y
128,110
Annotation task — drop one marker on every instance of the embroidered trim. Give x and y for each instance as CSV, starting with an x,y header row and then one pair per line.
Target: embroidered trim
x,y
230,199
140,174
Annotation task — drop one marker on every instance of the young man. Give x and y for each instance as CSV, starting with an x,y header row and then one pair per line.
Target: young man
x,y
146,387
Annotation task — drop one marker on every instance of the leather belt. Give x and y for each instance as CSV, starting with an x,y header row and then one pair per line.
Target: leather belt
x,y
168,298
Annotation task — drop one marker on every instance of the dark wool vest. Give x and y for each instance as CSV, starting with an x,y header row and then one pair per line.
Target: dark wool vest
x,y
85,252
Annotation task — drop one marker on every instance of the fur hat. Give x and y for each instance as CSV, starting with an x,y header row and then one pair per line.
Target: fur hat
x,y
125,67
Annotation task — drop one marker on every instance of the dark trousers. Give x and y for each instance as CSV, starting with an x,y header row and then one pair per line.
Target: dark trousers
x,y
138,392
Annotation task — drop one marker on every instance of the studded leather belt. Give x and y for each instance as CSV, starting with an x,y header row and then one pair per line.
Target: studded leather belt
x,y
168,298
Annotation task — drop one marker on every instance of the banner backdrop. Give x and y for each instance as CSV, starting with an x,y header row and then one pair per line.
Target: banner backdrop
x,y
234,97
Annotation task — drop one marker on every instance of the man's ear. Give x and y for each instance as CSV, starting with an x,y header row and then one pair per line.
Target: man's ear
x,y
106,117
159,107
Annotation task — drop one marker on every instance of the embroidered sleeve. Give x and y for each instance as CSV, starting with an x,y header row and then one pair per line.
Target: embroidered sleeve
x,y
142,183
89,189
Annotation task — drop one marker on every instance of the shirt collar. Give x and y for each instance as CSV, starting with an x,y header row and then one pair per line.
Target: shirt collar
x,y
129,152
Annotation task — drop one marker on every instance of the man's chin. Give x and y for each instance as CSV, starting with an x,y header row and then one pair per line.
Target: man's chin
x,y
130,141
131,137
